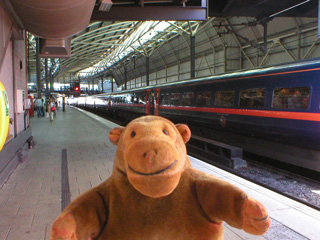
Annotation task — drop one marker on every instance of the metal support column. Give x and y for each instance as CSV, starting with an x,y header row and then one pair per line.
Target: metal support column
x,y
46,74
63,104
70,82
224,58
39,87
64,83
112,83
265,36
51,80
147,69
125,77
318,19
192,56
102,85
166,74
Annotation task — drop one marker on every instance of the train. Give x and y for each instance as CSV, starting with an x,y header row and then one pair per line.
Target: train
x,y
275,109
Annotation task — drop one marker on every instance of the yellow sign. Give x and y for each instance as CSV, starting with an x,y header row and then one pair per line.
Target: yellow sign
x,y
4,116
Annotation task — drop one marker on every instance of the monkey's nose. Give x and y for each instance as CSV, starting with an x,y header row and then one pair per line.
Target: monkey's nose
x,y
149,154
149,157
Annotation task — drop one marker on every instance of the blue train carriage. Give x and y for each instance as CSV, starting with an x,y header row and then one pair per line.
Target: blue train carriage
x,y
280,104
277,105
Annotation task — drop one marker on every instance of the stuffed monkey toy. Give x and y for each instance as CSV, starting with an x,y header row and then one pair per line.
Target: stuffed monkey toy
x,y
155,194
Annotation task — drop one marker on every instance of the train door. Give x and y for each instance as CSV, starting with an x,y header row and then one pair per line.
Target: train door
x,y
156,102
148,93
151,102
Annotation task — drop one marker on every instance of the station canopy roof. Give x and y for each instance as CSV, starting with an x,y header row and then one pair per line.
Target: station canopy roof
x,y
106,43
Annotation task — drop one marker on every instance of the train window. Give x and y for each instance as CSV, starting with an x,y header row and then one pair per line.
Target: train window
x,y
224,98
127,99
175,98
252,98
167,99
142,99
187,98
161,100
137,98
291,98
164,99
203,99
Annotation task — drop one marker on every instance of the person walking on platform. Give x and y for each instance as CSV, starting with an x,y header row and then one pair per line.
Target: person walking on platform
x,y
39,107
52,109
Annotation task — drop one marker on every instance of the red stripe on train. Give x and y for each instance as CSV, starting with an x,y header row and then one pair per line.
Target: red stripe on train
x,y
250,112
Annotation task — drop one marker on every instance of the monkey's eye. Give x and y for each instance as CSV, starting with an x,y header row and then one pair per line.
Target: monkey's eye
x,y
165,132
133,134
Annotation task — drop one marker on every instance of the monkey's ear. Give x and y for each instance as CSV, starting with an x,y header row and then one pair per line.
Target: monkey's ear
x,y
115,134
184,131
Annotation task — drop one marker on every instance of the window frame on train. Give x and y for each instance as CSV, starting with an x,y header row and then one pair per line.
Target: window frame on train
x,y
204,99
252,98
218,93
186,100
175,98
294,102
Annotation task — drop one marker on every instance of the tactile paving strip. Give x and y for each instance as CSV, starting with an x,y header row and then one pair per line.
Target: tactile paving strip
x,y
65,187
278,231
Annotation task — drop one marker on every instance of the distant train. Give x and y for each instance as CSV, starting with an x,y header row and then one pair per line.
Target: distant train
x,y
279,104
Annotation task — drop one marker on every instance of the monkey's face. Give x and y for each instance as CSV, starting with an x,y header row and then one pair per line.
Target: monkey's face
x,y
154,154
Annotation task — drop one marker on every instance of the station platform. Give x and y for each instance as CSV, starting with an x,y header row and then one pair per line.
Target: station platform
x,y
73,154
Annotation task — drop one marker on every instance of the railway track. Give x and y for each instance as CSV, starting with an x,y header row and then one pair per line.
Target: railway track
x,y
290,184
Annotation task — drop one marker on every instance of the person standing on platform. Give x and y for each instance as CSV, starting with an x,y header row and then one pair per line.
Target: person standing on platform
x,y
39,105
42,108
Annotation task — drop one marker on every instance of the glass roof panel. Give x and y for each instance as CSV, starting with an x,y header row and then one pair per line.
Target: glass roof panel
x,y
143,33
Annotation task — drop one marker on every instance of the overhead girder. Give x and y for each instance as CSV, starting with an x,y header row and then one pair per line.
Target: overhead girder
x,y
115,26
152,13
262,9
